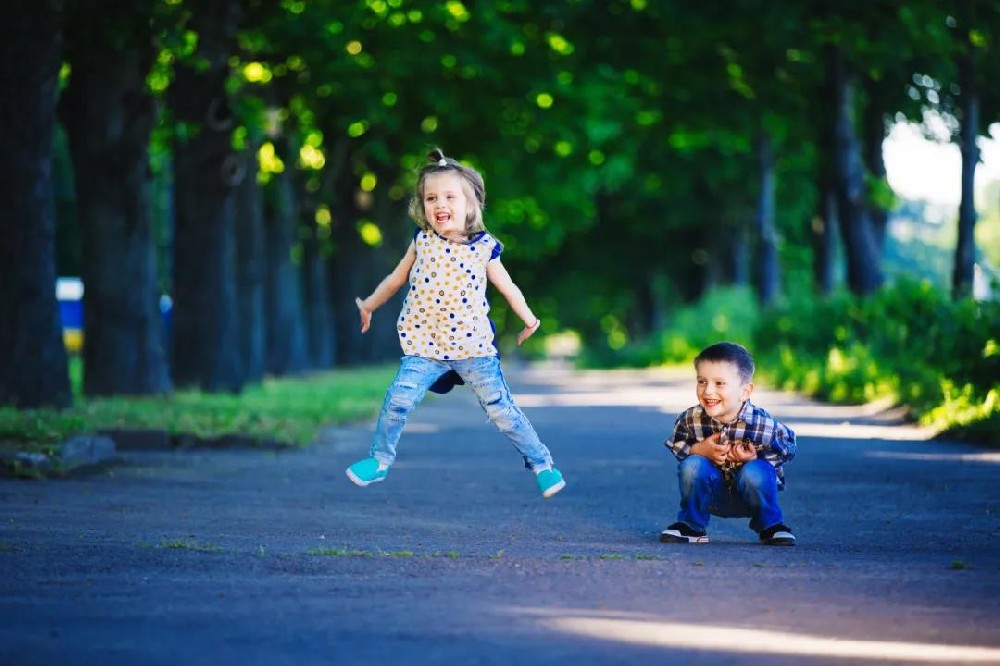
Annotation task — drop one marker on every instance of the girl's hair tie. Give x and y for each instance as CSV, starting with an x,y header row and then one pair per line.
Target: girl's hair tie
x,y
442,162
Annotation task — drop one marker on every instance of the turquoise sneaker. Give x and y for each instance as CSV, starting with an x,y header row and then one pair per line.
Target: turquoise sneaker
x,y
366,472
550,481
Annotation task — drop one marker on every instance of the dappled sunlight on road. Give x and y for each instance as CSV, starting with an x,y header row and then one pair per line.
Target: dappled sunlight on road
x,y
992,457
671,391
650,631
846,430
617,398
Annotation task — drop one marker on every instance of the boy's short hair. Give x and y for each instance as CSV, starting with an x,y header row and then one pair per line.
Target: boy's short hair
x,y
732,353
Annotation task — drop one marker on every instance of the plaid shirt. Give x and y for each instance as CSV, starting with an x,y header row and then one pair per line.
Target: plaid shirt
x,y
774,441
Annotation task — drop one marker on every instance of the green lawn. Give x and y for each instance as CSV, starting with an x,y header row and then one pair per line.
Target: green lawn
x,y
284,410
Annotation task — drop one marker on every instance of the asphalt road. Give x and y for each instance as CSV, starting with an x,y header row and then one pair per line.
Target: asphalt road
x,y
251,557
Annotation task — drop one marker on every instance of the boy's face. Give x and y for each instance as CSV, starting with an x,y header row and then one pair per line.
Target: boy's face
x,y
720,391
445,206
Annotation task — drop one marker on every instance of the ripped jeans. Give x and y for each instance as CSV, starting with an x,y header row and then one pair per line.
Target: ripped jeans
x,y
483,375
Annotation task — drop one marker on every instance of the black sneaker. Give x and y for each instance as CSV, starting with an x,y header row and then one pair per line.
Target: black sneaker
x,y
777,535
681,533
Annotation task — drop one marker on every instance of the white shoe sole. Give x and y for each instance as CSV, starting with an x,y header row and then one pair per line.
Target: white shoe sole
x,y
549,492
780,539
676,537
358,481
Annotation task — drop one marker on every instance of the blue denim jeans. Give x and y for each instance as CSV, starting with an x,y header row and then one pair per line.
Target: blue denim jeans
x,y
704,493
482,374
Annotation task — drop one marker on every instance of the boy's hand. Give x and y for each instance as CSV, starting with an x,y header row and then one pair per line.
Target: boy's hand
x,y
713,447
366,315
742,451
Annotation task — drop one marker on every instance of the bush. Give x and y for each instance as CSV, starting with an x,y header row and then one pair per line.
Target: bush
x,y
909,343
730,313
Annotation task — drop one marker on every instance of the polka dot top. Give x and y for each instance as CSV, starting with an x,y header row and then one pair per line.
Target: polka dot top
x,y
445,313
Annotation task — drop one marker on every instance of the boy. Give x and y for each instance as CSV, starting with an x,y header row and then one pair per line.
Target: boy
x,y
730,453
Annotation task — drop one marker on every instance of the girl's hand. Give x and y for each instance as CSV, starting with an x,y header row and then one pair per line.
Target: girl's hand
x,y
366,315
528,331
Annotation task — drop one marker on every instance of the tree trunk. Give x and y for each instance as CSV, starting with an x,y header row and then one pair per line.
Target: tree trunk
x,y
357,268
251,268
824,229
109,117
737,248
873,130
319,314
769,269
32,356
965,249
864,271
397,233
348,268
207,171
287,350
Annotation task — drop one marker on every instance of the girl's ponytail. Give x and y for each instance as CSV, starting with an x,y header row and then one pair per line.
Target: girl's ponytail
x,y
437,156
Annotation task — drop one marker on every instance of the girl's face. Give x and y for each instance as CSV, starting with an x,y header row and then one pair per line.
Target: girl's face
x,y
445,205
720,391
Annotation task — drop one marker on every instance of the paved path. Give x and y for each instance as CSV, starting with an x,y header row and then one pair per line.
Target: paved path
x,y
244,557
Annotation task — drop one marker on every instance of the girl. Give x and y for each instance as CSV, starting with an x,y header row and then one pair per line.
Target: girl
x,y
443,327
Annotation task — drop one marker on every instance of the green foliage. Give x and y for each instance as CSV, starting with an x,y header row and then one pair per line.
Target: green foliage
x,y
909,343
726,313
284,410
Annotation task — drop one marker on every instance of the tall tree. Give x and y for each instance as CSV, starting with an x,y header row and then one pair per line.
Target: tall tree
x,y
864,271
33,363
965,247
207,171
109,115
251,268
977,27
287,346
770,278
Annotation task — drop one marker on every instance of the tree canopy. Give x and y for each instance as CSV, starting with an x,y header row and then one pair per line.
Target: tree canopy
x,y
636,154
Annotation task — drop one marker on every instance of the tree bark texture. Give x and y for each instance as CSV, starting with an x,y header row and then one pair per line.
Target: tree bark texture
x,y
207,171
251,268
316,301
350,262
109,117
873,132
287,350
864,270
770,279
824,229
319,311
737,249
397,233
33,362
965,248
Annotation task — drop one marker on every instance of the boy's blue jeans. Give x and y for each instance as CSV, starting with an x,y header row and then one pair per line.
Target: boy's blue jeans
x,y
482,374
704,493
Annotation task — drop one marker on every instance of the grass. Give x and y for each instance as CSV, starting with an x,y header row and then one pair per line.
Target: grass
x,y
183,544
338,552
287,410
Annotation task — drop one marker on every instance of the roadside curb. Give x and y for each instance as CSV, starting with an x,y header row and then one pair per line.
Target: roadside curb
x,y
77,453
92,451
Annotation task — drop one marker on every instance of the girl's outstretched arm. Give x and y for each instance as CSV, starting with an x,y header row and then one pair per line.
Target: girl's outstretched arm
x,y
386,288
500,278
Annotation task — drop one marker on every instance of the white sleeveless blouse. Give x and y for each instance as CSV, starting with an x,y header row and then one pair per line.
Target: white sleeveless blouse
x,y
445,313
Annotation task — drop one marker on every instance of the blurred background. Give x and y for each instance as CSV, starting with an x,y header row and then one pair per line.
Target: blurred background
x,y
212,182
